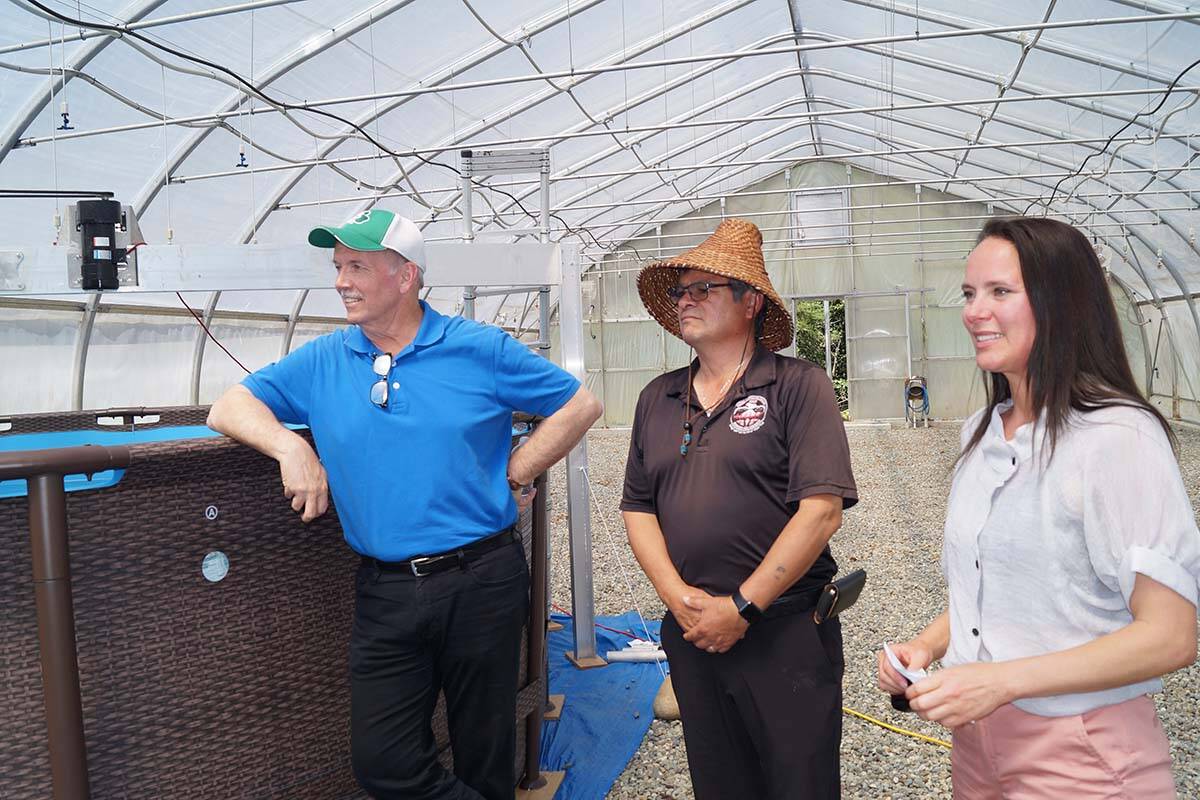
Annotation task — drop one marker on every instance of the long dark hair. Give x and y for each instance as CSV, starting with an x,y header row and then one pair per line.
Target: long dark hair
x,y
1078,360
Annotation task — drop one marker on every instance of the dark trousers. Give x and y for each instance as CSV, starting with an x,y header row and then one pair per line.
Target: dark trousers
x,y
764,719
458,631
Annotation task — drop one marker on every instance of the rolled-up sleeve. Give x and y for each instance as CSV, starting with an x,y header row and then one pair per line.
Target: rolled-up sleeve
x,y
1137,517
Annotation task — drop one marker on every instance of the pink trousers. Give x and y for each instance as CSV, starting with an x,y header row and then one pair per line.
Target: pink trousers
x,y
1117,752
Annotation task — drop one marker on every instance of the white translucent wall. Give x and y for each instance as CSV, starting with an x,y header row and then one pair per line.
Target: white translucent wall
x,y
1175,385
37,349
140,349
623,145
910,249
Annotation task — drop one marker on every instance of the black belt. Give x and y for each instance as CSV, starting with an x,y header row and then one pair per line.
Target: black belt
x,y
441,562
793,604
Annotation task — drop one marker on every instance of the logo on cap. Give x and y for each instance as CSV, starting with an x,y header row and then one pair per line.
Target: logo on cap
x,y
361,218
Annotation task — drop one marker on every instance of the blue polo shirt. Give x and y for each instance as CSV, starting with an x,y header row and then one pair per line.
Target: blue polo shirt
x,y
426,474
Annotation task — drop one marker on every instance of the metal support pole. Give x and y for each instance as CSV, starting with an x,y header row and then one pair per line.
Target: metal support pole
x,y
468,234
43,471
662,333
847,303
907,337
81,350
56,637
536,668
198,351
468,217
828,347
921,282
543,341
468,301
601,300
790,350
285,346
1174,376
544,213
570,309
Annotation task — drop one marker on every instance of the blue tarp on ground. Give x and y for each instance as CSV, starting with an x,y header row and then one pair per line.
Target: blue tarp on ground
x,y
607,710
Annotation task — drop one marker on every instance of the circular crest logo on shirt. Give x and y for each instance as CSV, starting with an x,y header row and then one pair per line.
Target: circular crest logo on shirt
x,y
749,414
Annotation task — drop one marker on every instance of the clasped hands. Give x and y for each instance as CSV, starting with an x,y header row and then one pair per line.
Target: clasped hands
x,y
711,623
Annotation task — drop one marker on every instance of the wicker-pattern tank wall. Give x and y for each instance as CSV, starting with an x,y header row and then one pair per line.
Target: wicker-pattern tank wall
x,y
191,688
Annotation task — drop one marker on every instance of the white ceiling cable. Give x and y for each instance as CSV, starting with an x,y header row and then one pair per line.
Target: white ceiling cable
x,y
250,136
53,140
166,157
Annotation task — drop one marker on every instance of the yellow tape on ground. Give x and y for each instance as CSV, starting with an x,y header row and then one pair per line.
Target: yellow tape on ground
x,y
883,724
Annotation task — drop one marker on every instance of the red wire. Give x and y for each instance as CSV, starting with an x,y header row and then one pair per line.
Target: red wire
x,y
197,317
210,335
630,634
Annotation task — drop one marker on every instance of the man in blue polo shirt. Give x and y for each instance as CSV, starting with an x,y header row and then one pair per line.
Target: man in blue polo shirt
x,y
411,414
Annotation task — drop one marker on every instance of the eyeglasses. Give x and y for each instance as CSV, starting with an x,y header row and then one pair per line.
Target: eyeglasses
x,y
379,391
698,291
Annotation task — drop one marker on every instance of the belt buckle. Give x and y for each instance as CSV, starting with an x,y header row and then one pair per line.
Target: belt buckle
x,y
416,563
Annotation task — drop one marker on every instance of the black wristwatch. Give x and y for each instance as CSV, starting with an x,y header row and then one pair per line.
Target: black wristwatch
x,y
750,612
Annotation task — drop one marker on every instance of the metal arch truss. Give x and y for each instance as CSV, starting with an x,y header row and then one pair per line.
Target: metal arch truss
x,y
506,162
824,42
1026,35
1172,270
522,104
25,117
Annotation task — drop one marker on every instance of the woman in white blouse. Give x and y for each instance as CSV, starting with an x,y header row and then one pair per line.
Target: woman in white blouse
x,y
1071,551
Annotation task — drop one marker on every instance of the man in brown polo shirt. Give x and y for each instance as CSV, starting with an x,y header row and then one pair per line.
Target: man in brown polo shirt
x,y
737,476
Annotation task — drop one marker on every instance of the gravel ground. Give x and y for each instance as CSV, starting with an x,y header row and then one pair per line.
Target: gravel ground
x,y
895,533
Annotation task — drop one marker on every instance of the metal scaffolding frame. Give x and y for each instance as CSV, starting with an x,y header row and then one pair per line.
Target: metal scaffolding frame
x,y
578,72
613,192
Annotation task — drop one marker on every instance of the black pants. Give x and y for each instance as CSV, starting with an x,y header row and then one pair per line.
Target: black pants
x,y
458,631
764,719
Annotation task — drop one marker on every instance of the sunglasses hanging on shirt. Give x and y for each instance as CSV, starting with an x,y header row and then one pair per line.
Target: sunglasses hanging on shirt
x,y
379,390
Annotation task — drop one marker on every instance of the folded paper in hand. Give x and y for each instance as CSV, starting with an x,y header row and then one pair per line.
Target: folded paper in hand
x,y
913,675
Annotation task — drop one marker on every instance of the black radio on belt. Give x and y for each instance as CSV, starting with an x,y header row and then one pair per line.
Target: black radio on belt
x,y
96,221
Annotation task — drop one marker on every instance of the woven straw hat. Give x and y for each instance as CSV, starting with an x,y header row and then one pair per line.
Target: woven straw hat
x,y
735,251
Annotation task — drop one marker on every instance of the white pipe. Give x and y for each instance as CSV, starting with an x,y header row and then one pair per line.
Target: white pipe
x,y
152,23
589,176
767,192
635,655
32,141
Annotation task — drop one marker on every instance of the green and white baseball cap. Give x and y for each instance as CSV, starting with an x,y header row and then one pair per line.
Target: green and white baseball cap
x,y
373,231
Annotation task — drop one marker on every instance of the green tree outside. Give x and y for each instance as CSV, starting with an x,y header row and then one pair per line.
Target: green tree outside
x,y
810,340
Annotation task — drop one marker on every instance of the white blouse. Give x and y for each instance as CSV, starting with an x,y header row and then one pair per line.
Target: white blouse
x,y
1040,555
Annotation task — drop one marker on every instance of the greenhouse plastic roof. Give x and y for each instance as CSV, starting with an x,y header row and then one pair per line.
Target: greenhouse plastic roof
x,y
650,110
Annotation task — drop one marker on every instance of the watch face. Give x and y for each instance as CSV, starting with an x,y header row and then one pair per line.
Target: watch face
x,y
746,608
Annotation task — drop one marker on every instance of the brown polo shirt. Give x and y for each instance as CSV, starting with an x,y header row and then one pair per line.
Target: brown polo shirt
x,y
776,439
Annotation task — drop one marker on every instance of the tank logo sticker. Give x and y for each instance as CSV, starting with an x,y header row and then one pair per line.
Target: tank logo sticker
x,y
215,566
749,414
